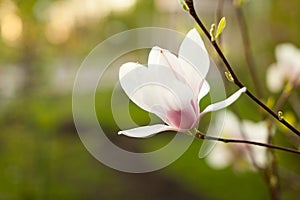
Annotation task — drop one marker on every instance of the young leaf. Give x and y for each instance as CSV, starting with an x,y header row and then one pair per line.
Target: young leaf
x,y
184,5
221,26
280,115
229,76
212,32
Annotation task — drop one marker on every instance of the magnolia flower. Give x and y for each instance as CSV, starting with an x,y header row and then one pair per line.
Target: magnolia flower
x,y
287,67
240,155
171,87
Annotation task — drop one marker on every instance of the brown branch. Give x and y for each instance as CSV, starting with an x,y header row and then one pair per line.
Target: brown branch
x,y
193,13
202,136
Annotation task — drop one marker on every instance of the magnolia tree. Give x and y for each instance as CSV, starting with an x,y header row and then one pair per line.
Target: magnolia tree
x,y
171,87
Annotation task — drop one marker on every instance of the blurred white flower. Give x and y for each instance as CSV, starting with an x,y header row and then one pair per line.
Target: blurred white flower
x,y
287,67
171,87
11,80
64,16
241,156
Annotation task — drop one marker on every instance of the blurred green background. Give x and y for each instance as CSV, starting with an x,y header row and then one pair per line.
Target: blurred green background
x,y
42,45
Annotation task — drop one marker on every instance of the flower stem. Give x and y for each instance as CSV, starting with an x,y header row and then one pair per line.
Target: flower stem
x,y
287,91
229,68
202,136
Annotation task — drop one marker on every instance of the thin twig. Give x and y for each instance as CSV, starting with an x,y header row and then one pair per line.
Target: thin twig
x,y
247,49
275,187
286,93
192,12
271,174
202,136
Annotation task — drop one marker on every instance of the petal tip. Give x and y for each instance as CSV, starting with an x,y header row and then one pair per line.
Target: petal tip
x,y
120,133
193,31
156,47
128,67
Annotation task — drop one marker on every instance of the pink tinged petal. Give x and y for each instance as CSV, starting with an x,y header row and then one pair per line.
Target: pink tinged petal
x,y
182,69
179,112
184,119
155,98
193,51
157,90
222,104
146,131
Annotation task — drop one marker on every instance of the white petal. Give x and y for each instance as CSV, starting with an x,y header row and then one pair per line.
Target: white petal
x,y
154,56
204,89
225,124
231,125
155,89
193,51
183,70
145,131
192,77
257,132
220,157
286,53
275,78
225,103
288,60
164,58
185,67
128,67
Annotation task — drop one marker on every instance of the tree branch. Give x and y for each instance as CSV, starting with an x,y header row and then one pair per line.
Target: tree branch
x,y
202,136
193,13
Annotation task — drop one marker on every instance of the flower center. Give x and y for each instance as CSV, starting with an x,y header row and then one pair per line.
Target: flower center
x,y
182,119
